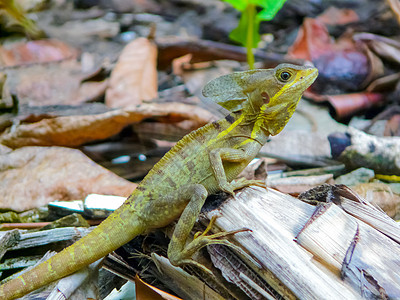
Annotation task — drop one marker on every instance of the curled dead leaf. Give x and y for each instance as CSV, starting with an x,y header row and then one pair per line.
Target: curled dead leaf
x,y
343,64
73,131
134,77
346,105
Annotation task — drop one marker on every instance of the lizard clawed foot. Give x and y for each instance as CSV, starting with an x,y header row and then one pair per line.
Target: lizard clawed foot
x,y
216,236
201,239
243,182
219,238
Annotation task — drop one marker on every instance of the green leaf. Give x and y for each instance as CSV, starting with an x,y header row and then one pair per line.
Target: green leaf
x,y
240,33
270,9
240,5
247,32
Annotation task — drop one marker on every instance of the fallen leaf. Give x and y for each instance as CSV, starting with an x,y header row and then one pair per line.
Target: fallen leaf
x,y
392,127
179,63
145,291
134,77
31,177
90,91
60,83
42,51
76,130
395,6
387,49
343,64
384,84
338,16
346,105
381,195
312,41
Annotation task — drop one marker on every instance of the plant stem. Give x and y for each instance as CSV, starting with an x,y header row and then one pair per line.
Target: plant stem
x,y
251,11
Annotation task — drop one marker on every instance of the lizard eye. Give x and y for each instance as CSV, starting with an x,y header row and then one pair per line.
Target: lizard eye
x,y
285,76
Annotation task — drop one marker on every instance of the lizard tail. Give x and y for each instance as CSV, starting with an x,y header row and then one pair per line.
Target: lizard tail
x,y
112,233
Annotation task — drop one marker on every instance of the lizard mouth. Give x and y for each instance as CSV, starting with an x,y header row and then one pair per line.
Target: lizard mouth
x,y
305,78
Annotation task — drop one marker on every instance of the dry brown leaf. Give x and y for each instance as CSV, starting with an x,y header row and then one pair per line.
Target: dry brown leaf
x,y
387,50
338,16
314,43
392,127
30,52
52,84
34,176
76,130
66,131
346,105
381,195
178,64
145,291
134,77
395,6
90,90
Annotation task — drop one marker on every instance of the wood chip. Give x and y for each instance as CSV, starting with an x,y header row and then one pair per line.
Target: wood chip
x,y
314,267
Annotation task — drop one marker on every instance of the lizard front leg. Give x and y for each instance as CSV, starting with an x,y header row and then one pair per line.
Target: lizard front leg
x,y
217,156
178,252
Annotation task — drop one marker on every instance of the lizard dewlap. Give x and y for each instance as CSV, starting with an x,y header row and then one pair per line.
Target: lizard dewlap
x,y
205,161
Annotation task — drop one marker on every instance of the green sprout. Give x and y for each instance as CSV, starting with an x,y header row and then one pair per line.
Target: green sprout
x,y
247,32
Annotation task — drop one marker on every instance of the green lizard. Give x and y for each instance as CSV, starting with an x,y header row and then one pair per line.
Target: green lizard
x,y
205,161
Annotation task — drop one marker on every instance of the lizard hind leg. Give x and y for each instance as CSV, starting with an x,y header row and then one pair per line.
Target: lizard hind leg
x,y
180,253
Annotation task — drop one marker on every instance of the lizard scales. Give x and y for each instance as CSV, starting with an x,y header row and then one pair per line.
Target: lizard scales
x,y
203,162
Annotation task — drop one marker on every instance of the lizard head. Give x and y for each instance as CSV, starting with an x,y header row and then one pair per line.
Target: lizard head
x,y
268,96
277,98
